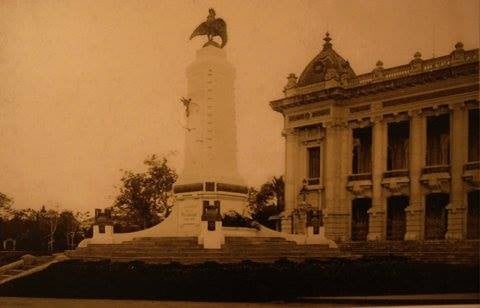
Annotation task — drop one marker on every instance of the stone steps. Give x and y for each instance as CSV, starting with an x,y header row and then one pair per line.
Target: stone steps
x,y
466,251
195,260
209,252
28,264
187,250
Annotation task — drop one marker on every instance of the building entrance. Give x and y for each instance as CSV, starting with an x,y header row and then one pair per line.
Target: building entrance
x,y
396,218
360,218
436,216
473,215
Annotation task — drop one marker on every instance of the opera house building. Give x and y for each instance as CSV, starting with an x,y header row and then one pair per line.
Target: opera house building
x,y
392,154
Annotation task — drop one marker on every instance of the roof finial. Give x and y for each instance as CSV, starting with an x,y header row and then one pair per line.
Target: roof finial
x,y
327,40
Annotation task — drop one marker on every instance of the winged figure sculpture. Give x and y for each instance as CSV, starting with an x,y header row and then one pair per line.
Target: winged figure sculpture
x,y
211,28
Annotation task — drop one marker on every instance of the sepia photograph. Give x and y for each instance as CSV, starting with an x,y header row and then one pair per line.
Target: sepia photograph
x,y
239,153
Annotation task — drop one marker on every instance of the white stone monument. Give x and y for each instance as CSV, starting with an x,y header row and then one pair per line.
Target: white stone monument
x,y
210,170
210,184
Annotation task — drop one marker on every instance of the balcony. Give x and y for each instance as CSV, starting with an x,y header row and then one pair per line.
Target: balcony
x,y
396,174
436,178
396,182
360,177
312,184
360,185
436,169
471,174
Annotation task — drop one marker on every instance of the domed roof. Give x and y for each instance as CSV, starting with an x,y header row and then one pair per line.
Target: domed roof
x,y
327,65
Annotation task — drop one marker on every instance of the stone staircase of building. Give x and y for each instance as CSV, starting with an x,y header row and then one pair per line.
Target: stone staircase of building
x,y
453,252
187,251
27,265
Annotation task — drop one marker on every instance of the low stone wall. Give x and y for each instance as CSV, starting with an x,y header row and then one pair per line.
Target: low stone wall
x,y
453,252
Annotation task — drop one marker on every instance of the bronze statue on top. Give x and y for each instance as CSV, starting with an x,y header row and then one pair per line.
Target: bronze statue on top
x,y
211,28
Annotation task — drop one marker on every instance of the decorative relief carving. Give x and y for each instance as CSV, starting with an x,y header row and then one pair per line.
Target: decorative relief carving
x,y
360,188
436,110
471,174
299,117
360,123
397,117
359,108
311,134
397,186
457,106
415,98
415,113
320,113
436,182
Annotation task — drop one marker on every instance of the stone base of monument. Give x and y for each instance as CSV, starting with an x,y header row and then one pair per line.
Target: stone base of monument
x,y
315,237
199,217
232,245
211,239
185,221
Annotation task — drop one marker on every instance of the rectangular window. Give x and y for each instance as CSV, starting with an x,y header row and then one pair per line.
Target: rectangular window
x,y
398,140
313,162
362,150
438,140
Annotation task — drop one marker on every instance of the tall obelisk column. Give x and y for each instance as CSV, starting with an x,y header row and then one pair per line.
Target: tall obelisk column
x,y
210,143
210,176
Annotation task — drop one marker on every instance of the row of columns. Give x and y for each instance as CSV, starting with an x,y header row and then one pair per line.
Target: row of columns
x,y
338,151
416,210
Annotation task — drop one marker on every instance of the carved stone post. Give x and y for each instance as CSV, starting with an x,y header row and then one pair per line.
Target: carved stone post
x,y
415,211
291,149
456,208
211,235
377,211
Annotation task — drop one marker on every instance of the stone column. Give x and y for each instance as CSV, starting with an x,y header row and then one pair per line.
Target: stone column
x,y
291,150
345,205
332,166
458,157
377,211
414,212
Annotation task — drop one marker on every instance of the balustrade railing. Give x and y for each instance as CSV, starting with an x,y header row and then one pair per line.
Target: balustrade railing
x,y
436,169
395,173
408,69
313,181
360,177
474,165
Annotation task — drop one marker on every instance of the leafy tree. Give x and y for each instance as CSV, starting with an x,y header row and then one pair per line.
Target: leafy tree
x,y
5,206
145,198
268,201
42,230
69,229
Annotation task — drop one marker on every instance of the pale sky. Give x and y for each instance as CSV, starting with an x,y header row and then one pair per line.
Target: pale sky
x,y
89,87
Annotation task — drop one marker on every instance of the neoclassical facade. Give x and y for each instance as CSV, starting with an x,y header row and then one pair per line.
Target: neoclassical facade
x,y
392,154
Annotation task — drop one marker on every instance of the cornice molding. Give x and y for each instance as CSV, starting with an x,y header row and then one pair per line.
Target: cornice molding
x,y
340,94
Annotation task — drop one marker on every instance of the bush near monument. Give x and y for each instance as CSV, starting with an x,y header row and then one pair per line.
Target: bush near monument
x,y
245,281
267,202
145,198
